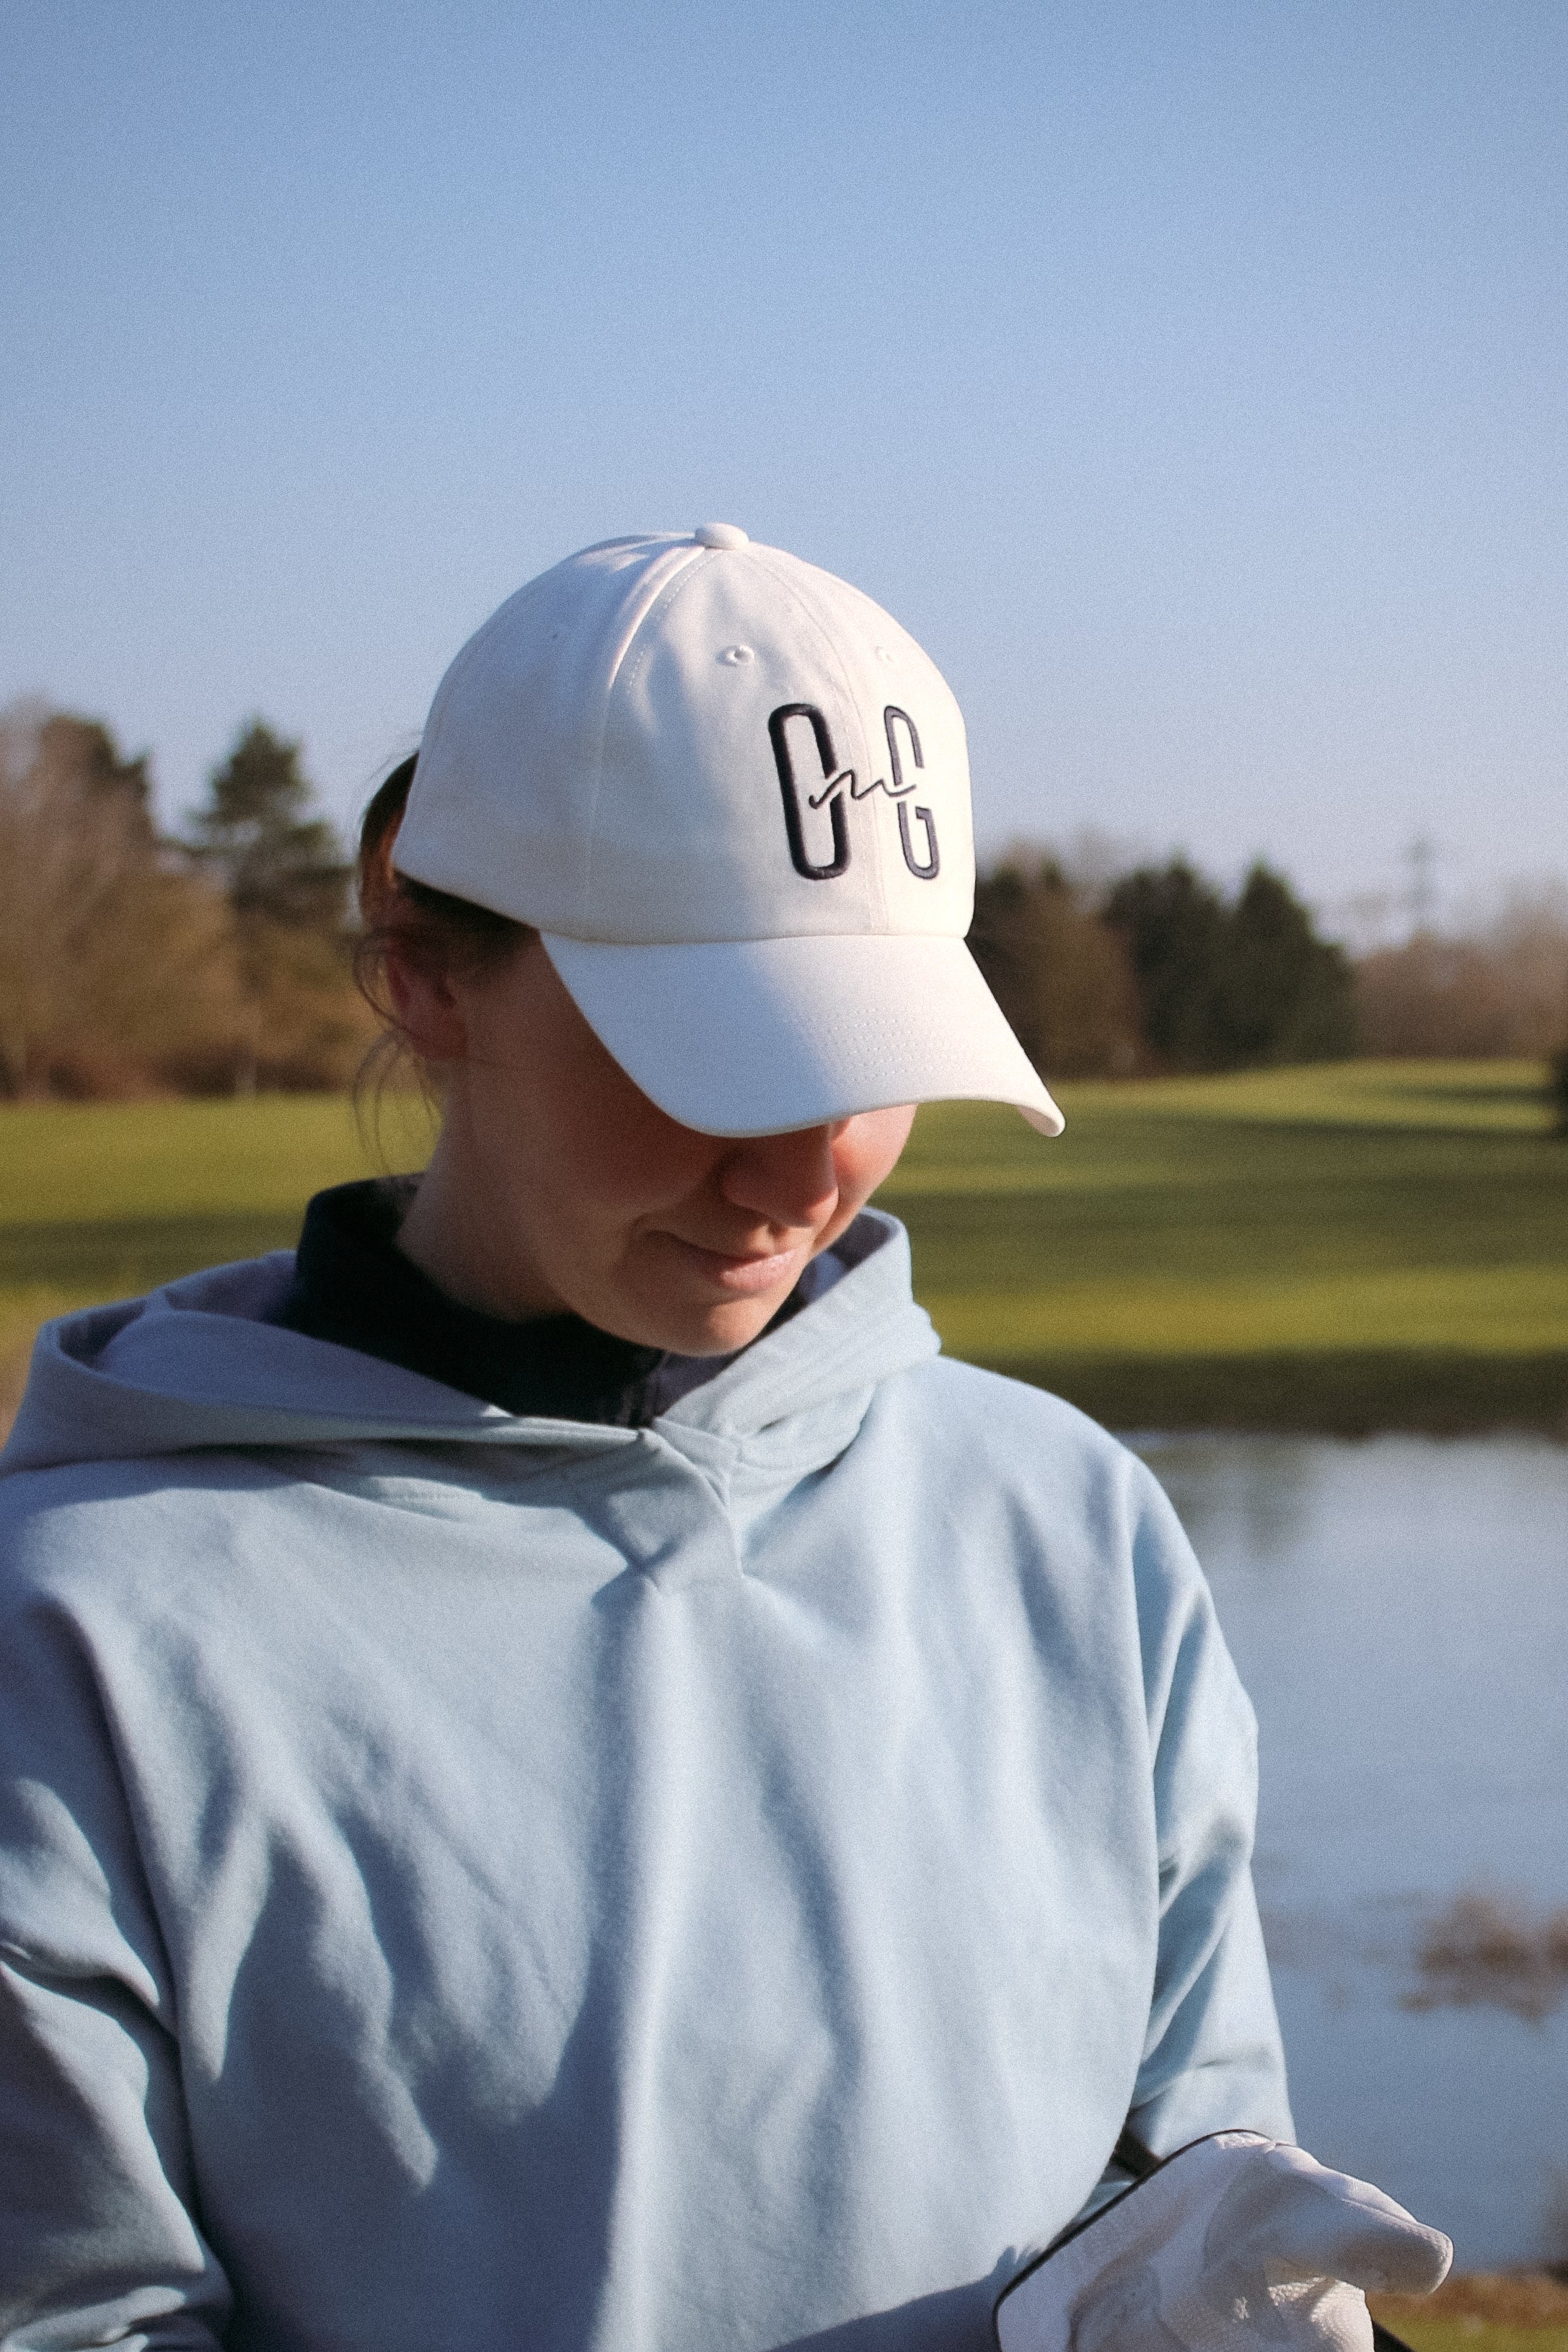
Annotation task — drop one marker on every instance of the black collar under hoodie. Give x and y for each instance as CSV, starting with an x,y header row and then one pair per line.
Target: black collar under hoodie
x,y
355,1287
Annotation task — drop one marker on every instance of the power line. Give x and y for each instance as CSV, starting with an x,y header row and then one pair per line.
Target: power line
x,y
1421,898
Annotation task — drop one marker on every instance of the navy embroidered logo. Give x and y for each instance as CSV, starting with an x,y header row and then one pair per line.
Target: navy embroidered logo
x,y
794,822
838,786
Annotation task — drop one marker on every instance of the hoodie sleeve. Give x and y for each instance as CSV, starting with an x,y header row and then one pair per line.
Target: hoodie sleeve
x,y
1212,2058
98,2238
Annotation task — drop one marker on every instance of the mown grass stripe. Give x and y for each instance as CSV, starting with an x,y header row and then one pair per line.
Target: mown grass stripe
x,y
1363,1245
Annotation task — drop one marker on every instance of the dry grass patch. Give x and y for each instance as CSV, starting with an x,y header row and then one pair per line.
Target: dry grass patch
x,y
1485,2311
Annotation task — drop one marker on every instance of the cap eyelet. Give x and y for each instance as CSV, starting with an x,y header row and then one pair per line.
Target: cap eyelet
x,y
733,656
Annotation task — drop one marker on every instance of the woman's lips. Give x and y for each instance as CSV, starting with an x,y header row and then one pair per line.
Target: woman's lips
x,y
745,1276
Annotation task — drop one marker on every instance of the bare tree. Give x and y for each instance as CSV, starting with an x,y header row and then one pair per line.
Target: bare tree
x,y
113,953
1503,991
1062,978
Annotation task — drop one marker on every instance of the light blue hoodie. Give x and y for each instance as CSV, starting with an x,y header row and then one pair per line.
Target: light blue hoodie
x,y
513,1884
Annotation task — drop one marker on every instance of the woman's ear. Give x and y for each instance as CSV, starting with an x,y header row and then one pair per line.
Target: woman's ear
x,y
425,1005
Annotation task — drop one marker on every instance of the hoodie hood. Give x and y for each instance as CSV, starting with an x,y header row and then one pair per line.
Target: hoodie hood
x,y
199,1364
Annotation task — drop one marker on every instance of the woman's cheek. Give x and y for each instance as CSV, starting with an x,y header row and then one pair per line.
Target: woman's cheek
x,y
869,1150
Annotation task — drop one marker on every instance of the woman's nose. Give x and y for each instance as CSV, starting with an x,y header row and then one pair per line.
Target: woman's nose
x,y
790,1180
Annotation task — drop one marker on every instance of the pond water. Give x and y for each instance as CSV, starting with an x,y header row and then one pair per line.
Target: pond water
x,y
1398,1609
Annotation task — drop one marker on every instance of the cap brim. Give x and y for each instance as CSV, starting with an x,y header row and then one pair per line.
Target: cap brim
x,y
757,1036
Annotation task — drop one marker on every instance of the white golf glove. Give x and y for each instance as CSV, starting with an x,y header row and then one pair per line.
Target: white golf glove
x,y
1235,2242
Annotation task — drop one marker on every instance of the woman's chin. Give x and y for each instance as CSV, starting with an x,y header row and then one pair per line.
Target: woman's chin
x,y
687,1329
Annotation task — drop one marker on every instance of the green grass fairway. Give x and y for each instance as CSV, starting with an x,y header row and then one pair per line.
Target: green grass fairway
x,y
1375,1245
102,1200
1366,1246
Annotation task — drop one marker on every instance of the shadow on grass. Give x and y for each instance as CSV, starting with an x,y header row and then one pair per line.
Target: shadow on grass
x,y
1350,1392
1515,1094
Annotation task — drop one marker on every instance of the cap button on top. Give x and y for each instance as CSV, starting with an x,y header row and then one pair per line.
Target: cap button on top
x,y
721,534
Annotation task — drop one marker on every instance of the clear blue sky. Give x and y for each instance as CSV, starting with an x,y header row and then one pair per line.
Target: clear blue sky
x,y
1189,377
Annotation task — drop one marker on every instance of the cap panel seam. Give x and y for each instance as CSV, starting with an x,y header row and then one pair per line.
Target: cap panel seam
x,y
692,556
473,649
464,660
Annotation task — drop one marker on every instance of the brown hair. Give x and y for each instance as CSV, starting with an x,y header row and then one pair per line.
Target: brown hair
x,y
431,928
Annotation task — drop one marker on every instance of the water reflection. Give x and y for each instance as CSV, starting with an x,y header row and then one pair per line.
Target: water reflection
x,y
1479,1951
1245,1498
1399,1611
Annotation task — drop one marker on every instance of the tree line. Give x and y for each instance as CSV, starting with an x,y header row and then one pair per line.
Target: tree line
x,y
1159,971
219,959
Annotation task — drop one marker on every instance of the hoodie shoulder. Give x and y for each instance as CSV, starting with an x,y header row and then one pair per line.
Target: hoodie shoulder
x,y
1003,1446
1007,1422
1001,1414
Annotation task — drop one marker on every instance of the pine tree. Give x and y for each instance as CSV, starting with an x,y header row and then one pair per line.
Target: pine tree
x,y
284,875
1175,923
277,862
1283,993
1232,987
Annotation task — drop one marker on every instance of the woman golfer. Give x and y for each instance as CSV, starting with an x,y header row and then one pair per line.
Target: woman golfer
x,y
565,1780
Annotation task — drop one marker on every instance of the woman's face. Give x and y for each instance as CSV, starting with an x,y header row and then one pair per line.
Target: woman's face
x,y
558,1184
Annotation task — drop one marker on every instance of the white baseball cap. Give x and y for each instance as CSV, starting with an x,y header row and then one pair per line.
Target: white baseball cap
x,y
733,795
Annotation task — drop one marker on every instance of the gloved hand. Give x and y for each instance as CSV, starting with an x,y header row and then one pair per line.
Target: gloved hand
x,y
1234,2243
